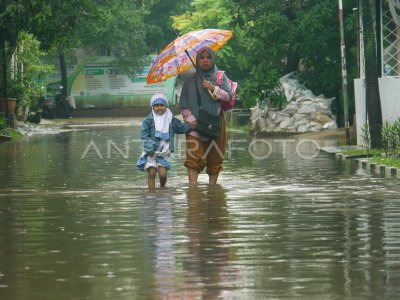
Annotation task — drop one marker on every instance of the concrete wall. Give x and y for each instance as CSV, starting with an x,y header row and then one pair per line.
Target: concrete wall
x,y
361,111
389,90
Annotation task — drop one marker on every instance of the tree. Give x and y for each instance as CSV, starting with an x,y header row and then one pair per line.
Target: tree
x,y
24,79
159,29
29,72
116,28
58,30
373,103
207,14
13,16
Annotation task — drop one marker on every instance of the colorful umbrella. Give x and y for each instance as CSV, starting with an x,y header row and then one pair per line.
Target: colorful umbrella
x,y
178,56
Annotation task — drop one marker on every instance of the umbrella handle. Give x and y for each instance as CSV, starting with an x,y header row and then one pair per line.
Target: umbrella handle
x,y
212,95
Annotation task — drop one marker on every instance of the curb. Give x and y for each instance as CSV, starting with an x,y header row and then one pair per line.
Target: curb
x,y
378,169
363,162
374,168
343,156
4,138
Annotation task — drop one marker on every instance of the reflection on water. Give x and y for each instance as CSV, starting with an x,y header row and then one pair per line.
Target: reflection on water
x,y
188,257
284,222
208,223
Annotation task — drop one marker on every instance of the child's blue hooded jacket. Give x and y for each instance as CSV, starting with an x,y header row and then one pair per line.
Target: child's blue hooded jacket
x,y
147,133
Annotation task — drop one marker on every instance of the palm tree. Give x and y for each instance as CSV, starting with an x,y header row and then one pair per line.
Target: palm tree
x,y
373,103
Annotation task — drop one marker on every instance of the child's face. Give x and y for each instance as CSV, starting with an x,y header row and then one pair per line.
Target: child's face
x,y
159,109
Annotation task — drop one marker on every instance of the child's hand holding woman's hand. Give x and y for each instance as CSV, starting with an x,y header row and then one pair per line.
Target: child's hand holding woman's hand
x,y
193,124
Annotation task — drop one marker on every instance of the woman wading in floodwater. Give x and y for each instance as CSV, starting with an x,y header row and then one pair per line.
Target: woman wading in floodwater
x,y
198,88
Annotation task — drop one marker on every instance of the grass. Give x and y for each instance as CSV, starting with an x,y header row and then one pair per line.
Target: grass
x,y
386,161
13,133
7,131
361,151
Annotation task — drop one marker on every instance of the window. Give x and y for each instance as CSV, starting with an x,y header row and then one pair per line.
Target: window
x,y
390,39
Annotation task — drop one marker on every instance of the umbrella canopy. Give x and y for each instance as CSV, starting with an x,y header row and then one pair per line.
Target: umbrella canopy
x,y
178,56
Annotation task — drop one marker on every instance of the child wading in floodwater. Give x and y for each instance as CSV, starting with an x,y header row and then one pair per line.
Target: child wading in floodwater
x,y
157,134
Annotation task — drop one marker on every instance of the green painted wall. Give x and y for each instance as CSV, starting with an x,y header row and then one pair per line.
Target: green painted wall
x,y
95,83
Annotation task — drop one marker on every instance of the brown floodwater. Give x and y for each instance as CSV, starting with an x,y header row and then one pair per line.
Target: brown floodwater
x,y
285,222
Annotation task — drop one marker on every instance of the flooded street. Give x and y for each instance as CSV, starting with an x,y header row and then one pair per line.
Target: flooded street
x,y
285,222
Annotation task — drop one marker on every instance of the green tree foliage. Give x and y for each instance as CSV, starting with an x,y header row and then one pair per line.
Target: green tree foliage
x,y
57,27
116,28
159,30
15,16
208,14
29,71
204,14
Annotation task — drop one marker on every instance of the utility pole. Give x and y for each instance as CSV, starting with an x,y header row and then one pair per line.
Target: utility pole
x,y
344,74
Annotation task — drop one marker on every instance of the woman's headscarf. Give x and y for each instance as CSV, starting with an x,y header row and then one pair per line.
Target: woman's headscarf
x,y
189,92
162,122
211,73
